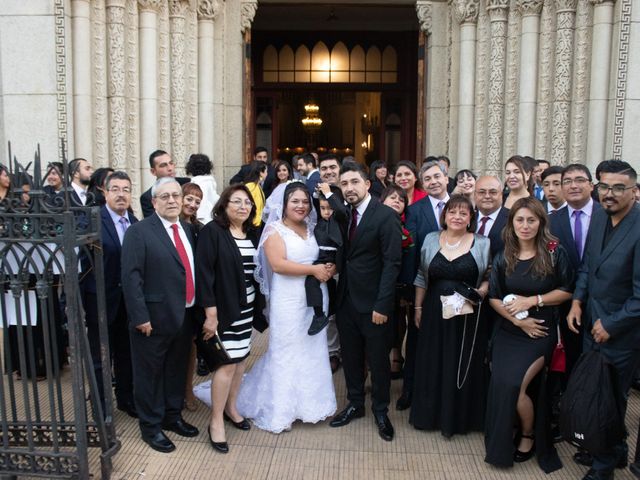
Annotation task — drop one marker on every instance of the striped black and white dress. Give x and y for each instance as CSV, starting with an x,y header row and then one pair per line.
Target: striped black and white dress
x,y
237,338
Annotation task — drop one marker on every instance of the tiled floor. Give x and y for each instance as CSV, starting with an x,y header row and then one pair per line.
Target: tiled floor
x,y
323,453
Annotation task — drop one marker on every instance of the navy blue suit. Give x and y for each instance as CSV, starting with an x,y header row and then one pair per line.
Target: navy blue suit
x,y
495,234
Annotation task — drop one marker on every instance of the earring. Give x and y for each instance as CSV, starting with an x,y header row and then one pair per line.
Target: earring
x,y
468,226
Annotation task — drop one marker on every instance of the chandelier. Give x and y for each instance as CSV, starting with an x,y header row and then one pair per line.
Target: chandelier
x,y
312,120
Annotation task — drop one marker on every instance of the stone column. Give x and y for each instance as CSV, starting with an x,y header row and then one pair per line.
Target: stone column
x,y
177,12
530,11
207,12
466,12
565,17
481,91
148,31
599,82
497,10
82,99
545,82
116,65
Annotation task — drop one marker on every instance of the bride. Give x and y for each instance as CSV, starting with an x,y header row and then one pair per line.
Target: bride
x,y
293,380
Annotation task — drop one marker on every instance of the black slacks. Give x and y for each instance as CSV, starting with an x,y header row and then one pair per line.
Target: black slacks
x,y
159,375
361,339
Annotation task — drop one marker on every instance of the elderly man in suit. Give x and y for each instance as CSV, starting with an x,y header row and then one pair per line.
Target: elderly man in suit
x,y
115,219
366,297
159,285
607,295
492,216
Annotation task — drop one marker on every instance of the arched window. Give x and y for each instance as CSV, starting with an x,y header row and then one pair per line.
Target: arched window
x,y
303,65
270,64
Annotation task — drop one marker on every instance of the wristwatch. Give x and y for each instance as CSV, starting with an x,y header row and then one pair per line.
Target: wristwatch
x,y
540,302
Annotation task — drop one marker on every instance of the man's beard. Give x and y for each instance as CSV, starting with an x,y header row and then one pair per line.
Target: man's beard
x,y
85,182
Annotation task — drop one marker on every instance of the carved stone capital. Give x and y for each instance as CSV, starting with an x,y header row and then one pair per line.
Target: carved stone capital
x,y
466,11
424,9
247,13
529,7
498,10
208,9
178,8
150,5
566,6
115,4
600,2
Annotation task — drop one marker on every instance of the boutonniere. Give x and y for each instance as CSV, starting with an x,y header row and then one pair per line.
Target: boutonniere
x,y
552,246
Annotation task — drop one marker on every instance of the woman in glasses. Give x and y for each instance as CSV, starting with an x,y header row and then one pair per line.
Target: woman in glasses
x,y
227,290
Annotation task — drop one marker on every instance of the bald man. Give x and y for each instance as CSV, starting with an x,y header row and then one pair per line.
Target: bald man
x,y
492,216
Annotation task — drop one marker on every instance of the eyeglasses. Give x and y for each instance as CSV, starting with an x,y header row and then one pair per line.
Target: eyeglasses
x,y
580,181
491,193
239,203
166,196
617,189
118,190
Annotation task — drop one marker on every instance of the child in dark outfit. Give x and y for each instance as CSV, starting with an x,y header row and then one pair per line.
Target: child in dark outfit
x,y
330,241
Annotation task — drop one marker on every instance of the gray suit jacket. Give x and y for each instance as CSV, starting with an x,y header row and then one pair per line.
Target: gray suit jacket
x,y
608,283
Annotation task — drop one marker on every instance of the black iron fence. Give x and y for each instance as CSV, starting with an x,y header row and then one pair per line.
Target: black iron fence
x,y
50,409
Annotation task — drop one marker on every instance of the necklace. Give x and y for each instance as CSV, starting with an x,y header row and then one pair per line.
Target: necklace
x,y
450,245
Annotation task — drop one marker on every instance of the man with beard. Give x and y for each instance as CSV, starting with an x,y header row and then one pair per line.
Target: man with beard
x,y
607,295
80,171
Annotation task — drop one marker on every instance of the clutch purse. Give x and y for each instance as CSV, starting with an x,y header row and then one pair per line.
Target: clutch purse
x,y
454,305
212,351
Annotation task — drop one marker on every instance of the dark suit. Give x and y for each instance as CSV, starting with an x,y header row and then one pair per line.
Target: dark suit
x,y
145,198
608,287
367,284
154,287
495,234
117,321
419,221
312,182
269,183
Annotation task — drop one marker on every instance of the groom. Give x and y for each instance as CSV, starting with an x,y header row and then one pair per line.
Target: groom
x,y
365,298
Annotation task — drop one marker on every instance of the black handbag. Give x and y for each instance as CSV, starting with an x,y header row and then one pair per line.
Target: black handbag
x,y
212,351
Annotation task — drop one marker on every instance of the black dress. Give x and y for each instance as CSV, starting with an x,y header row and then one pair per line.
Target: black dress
x,y
438,403
513,353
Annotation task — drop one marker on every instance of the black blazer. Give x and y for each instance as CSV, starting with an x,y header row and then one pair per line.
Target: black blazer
x,y
145,198
269,184
372,261
312,182
560,226
220,278
608,282
111,252
153,277
419,221
495,234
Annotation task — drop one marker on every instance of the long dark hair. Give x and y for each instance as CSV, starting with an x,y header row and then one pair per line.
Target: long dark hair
x,y
542,264
220,210
288,167
257,167
525,168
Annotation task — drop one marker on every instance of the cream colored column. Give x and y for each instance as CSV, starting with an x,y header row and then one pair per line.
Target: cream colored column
x,y
599,83
207,12
530,11
466,12
177,12
82,101
148,86
565,18
497,10
116,66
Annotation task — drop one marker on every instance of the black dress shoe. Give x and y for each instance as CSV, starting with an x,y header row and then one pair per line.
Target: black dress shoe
x,y
593,475
582,457
385,429
222,447
160,442
241,425
346,415
129,408
317,324
519,456
635,469
404,401
182,428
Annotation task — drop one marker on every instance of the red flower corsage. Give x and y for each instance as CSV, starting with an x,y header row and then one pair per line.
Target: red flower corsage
x,y
552,246
407,241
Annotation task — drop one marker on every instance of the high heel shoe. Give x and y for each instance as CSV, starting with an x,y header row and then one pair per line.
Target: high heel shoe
x,y
519,456
222,447
241,425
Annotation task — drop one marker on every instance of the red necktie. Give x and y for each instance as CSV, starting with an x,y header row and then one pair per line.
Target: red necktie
x,y
182,253
483,223
354,223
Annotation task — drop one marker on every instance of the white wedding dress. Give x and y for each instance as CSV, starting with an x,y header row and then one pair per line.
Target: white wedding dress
x,y
293,380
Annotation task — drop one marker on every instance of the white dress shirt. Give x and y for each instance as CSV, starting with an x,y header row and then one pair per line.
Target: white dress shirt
x,y
492,219
81,192
434,205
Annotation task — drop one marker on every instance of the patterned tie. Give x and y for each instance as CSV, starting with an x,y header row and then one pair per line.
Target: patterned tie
x,y
354,223
124,224
439,207
577,229
483,224
184,258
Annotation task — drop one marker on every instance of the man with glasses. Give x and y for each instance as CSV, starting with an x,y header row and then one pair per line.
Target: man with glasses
x,y
492,216
116,219
158,283
607,295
